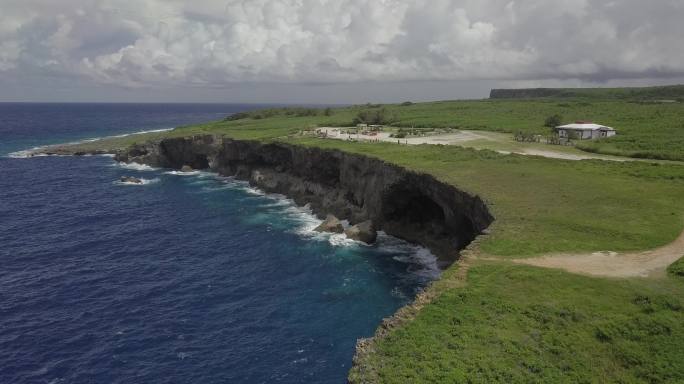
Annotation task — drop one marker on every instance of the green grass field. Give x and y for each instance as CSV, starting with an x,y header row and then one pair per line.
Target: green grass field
x,y
516,324
645,130
506,323
640,94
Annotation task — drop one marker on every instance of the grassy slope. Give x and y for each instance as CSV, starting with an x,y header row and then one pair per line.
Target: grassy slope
x,y
517,323
645,130
668,92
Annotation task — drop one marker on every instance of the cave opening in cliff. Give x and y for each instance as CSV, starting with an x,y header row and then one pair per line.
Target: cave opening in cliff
x,y
200,162
408,206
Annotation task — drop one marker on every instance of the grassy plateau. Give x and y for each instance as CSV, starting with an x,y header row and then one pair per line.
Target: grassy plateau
x,y
489,319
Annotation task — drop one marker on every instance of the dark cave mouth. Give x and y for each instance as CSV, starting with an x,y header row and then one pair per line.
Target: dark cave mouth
x,y
414,209
414,215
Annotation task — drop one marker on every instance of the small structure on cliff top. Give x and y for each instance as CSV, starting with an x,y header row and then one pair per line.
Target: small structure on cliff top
x,y
584,130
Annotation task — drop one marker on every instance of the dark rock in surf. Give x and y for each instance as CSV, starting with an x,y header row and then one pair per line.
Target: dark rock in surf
x,y
364,232
331,224
130,180
186,168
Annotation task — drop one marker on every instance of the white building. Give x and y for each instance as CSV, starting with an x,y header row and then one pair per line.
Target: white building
x,y
583,130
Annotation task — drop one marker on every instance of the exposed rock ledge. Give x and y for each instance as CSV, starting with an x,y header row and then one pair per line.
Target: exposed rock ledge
x,y
412,206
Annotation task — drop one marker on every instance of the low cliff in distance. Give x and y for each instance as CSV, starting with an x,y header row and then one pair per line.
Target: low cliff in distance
x,y
663,93
412,206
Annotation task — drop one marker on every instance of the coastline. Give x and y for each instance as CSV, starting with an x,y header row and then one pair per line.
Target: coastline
x,y
159,154
398,348
47,150
410,206
353,187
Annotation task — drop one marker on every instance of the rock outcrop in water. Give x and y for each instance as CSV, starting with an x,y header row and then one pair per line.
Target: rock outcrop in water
x,y
331,224
364,232
130,180
412,206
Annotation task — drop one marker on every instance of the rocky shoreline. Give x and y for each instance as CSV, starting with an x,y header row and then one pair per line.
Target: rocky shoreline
x,y
411,206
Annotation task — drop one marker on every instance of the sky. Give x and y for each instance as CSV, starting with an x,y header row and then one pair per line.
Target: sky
x,y
330,51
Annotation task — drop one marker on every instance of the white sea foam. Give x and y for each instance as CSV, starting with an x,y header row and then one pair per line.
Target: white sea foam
x,y
180,173
134,166
254,191
341,240
421,261
136,133
276,203
144,182
215,188
27,153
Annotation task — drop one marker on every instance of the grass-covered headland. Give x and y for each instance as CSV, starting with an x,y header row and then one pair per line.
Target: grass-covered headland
x,y
490,319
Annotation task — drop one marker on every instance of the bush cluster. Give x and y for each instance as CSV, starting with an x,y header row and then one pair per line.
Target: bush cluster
x,y
553,121
379,116
272,112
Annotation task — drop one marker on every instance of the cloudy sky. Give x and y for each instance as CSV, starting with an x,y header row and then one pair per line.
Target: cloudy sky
x,y
330,51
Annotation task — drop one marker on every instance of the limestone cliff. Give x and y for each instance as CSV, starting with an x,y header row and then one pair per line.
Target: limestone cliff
x,y
409,205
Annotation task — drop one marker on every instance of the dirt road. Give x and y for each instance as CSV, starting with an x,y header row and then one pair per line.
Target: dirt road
x,y
612,264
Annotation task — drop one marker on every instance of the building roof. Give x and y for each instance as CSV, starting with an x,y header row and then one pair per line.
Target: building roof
x,y
586,127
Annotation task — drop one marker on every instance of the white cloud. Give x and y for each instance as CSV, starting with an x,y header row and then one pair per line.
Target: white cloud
x,y
218,43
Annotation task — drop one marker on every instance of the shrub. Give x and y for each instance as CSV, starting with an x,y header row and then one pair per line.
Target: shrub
x,y
677,268
271,112
553,121
237,116
375,116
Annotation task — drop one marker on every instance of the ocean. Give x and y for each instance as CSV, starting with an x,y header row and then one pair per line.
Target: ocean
x,y
185,279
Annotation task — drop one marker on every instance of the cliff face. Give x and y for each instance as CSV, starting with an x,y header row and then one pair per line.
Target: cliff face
x,y
412,206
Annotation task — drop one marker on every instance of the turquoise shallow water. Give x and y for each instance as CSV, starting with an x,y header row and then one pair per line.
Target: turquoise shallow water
x,y
186,279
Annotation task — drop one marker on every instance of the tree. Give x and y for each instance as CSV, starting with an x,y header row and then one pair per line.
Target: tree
x,y
553,121
375,116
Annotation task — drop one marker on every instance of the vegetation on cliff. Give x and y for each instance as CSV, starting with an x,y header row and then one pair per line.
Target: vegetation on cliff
x,y
645,130
645,94
517,324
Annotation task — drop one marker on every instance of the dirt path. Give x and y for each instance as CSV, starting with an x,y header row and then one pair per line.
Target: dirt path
x,y
612,264
570,156
470,138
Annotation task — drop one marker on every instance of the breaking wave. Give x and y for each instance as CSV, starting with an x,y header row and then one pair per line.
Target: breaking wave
x,y
134,166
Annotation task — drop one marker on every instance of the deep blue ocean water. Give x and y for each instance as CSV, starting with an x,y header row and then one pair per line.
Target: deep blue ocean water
x,y
186,279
